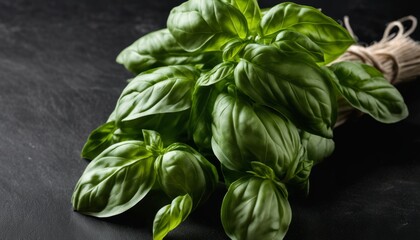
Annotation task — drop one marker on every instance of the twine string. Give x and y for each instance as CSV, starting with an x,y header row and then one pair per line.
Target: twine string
x,y
394,55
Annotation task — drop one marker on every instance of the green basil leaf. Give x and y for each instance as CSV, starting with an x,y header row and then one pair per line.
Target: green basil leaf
x,y
220,72
317,148
116,180
111,116
233,49
330,36
209,170
200,118
297,177
250,10
292,42
367,90
98,140
159,48
182,170
206,25
301,172
243,132
171,215
153,141
261,170
256,208
161,90
292,85
109,133
172,127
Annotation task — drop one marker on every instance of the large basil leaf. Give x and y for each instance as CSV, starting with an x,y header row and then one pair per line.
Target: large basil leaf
x,y
256,208
115,180
243,132
159,48
365,88
171,215
331,37
182,170
250,10
292,85
206,25
158,99
161,90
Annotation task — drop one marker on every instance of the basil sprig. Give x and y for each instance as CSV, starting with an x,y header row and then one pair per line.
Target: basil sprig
x,y
125,172
254,89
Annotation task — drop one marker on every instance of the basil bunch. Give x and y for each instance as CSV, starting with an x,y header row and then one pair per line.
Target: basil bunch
x,y
254,88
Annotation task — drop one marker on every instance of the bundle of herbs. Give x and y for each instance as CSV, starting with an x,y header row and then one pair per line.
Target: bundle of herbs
x,y
229,93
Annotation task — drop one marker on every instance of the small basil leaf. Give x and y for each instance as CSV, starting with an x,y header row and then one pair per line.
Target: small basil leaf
x,y
250,10
108,134
206,25
242,132
256,208
182,170
233,49
98,140
159,48
220,72
161,90
209,170
171,215
297,177
261,170
152,138
292,85
367,90
330,36
317,148
292,42
116,180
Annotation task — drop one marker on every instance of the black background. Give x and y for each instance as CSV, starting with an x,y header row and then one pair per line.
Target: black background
x,y
59,80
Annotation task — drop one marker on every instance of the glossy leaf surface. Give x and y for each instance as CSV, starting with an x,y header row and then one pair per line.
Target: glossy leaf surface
x,y
366,89
206,25
293,86
330,36
256,208
171,215
115,180
157,49
243,132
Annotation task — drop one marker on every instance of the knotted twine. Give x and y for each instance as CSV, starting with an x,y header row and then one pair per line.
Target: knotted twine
x,y
396,55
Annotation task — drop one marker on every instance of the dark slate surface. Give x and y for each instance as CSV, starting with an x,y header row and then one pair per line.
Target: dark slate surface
x,y
59,80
